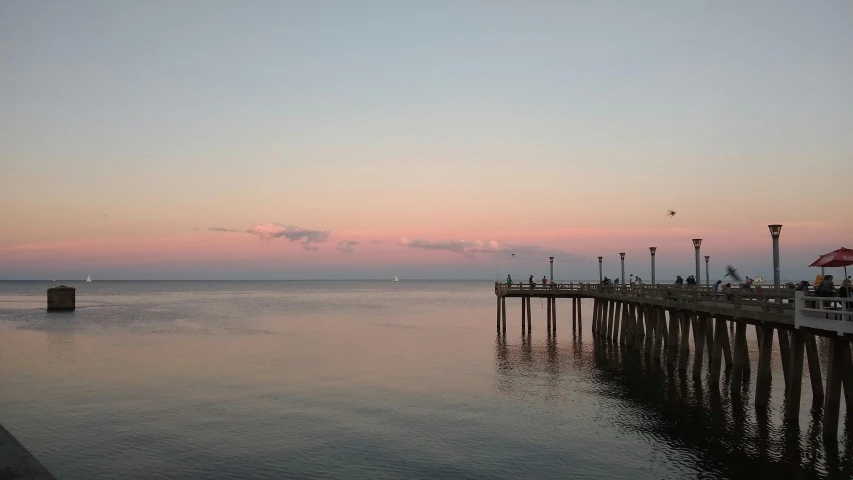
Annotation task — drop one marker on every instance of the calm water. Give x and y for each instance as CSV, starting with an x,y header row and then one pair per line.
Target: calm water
x,y
363,380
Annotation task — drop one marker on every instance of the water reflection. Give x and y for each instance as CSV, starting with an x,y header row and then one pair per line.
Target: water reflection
x,y
724,435
60,344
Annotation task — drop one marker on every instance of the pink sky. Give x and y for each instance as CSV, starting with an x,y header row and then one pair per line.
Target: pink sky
x,y
571,127
382,251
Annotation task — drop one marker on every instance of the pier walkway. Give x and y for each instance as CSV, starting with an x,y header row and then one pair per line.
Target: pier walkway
x,y
658,319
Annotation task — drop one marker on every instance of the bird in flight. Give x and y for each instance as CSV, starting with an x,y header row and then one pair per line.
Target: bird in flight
x,y
671,213
732,272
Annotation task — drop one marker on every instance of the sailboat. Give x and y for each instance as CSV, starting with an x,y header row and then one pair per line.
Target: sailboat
x,y
395,278
89,279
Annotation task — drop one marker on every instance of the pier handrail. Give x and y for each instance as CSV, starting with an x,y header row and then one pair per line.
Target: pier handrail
x,y
681,294
833,314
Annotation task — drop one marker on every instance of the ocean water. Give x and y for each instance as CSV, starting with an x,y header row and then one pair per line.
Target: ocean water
x,y
207,380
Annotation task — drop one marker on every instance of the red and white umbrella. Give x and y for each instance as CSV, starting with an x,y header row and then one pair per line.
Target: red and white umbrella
x,y
839,258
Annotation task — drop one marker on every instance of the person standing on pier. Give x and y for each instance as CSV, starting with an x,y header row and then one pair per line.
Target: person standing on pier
x,y
532,282
544,281
717,287
846,291
508,280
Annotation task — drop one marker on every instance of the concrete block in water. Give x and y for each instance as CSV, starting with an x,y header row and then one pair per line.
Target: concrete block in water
x,y
61,299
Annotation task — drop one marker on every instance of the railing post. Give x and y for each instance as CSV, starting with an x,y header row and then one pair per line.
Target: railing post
x,y
799,305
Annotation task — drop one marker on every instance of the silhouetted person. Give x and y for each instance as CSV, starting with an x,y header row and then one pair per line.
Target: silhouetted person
x,y
827,287
846,291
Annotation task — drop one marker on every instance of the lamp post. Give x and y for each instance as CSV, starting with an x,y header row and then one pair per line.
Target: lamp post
x,y
622,256
697,242
600,277
775,231
552,268
707,274
653,250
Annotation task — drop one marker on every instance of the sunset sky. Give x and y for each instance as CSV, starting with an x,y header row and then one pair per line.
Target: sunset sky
x,y
424,139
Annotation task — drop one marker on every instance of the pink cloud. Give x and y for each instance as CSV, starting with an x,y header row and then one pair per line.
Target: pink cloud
x,y
382,247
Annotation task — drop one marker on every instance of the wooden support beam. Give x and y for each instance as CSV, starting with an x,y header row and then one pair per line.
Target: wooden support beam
x,y
554,315
727,342
529,317
650,328
503,313
580,315
523,314
709,333
795,385
814,367
847,377
499,315
699,331
672,350
785,353
684,350
548,315
617,322
613,318
762,383
601,314
727,349
659,332
574,313
741,359
746,365
639,331
834,375
717,353
628,330
595,307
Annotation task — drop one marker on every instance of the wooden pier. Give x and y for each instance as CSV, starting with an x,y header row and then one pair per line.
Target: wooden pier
x,y
657,321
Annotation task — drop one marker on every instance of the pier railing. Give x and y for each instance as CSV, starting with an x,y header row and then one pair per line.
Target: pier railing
x,y
736,299
834,314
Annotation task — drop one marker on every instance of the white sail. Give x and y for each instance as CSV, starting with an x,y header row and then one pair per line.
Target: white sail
x,y
89,279
395,278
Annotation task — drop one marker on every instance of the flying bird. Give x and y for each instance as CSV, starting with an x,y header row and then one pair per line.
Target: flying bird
x,y
732,272
671,213
513,255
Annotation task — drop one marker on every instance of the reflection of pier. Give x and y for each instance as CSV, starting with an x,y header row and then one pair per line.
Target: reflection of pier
x,y
661,323
726,435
